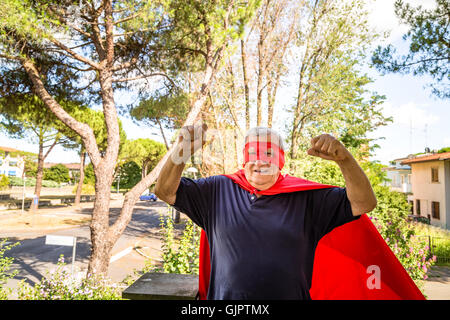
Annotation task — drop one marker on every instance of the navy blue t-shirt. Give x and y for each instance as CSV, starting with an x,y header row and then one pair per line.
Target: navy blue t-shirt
x,y
261,248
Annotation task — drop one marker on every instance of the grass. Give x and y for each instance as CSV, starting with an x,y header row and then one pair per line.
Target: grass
x,y
440,240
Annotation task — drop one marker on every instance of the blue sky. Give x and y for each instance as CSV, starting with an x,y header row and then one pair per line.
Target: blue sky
x,y
420,120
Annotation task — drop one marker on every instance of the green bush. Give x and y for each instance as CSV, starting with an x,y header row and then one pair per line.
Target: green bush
x,y
85,189
59,285
5,266
4,182
31,182
440,239
182,255
57,173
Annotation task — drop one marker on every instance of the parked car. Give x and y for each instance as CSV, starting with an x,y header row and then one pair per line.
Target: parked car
x,y
148,197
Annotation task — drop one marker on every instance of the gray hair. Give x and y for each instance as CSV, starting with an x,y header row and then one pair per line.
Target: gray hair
x,y
265,132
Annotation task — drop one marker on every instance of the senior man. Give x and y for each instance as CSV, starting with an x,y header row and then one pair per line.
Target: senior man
x,y
262,244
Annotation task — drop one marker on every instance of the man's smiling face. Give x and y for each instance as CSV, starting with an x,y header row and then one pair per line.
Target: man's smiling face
x,y
259,172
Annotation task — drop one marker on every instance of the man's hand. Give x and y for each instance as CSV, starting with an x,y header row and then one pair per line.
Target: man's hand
x,y
191,139
328,147
359,191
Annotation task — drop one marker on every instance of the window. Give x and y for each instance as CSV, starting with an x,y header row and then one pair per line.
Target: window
x,y
435,210
13,163
418,207
434,175
12,173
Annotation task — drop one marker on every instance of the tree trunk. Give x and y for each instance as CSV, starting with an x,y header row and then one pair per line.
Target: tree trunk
x,y
39,176
101,244
162,133
80,182
246,90
260,79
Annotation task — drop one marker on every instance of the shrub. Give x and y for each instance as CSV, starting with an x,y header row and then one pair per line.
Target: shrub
x,y
59,285
180,256
5,265
85,189
57,173
4,182
31,182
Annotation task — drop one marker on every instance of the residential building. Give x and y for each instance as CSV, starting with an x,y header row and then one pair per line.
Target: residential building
x,y
430,180
12,163
399,176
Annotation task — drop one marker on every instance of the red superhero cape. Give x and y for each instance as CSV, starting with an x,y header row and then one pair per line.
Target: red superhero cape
x,y
347,260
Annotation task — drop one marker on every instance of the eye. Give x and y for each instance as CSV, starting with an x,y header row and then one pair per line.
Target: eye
x,y
251,150
269,152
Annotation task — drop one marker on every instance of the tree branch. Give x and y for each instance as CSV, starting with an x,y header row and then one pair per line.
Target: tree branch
x,y
75,55
83,130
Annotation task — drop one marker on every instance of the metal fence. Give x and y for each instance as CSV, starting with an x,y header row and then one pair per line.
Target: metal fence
x,y
438,247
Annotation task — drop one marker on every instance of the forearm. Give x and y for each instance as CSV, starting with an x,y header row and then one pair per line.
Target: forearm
x,y
169,180
359,190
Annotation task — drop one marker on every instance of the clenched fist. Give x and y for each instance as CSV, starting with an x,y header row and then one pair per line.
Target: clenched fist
x,y
191,139
328,147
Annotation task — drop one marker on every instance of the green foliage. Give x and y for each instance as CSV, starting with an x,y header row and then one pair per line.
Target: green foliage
x,y
57,173
428,38
89,176
144,152
31,182
59,285
85,189
442,150
130,175
333,94
4,182
5,266
168,110
440,240
180,256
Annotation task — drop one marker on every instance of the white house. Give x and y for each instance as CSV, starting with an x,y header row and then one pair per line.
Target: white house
x,y
430,179
399,175
11,162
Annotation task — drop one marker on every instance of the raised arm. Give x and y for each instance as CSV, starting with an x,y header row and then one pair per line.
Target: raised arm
x,y
359,190
191,139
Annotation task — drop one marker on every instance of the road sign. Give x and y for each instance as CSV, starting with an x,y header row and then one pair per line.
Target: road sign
x,y
63,241
60,240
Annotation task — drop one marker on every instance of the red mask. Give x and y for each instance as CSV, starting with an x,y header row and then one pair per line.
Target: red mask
x,y
264,151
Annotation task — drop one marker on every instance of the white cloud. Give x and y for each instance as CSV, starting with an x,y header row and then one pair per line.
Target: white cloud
x,y
409,114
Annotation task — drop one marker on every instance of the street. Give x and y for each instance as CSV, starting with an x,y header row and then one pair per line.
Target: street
x,y
33,258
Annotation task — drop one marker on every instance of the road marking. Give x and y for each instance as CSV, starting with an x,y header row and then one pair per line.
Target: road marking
x,y
121,254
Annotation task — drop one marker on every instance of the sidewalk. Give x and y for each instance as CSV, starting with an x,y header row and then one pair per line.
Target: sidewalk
x,y
437,286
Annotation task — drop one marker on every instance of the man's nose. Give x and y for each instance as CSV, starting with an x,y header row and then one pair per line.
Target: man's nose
x,y
260,162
